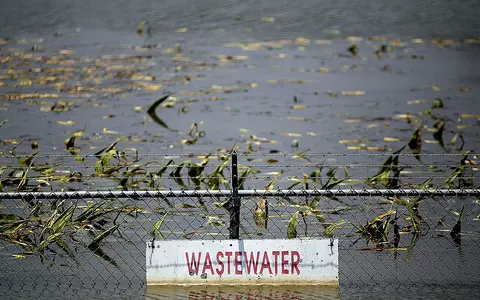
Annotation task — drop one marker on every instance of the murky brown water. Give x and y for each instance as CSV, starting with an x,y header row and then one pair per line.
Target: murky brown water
x,y
242,292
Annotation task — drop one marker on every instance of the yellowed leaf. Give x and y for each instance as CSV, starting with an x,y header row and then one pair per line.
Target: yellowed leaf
x,y
391,139
302,41
66,52
377,38
27,96
11,141
268,19
323,42
291,134
354,38
142,77
353,141
105,130
418,101
417,41
66,122
183,29
350,121
150,87
299,106
444,42
472,41
297,118
470,116
352,93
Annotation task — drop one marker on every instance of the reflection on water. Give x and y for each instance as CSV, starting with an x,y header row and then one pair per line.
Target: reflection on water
x,y
242,292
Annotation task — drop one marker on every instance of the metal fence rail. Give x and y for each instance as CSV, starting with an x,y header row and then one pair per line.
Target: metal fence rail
x,y
97,239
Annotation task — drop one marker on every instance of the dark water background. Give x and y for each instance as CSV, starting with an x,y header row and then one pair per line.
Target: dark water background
x,y
96,28
406,19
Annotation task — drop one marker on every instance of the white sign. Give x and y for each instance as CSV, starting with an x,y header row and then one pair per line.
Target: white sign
x,y
294,261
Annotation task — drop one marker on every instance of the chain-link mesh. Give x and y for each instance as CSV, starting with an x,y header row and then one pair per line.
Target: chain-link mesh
x,y
397,237
386,236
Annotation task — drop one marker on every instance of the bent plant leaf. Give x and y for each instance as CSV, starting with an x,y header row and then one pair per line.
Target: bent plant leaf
x,y
455,233
260,214
415,143
389,172
152,112
155,231
328,232
292,226
438,134
459,174
99,238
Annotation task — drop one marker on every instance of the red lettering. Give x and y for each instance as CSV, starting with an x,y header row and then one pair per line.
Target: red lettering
x,y
220,263
295,262
207,264
228,254
276,254
284,262
194,264
238,263
265,263
251,263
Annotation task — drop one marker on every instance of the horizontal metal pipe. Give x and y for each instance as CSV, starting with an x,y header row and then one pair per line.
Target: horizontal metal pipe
x,y
241,193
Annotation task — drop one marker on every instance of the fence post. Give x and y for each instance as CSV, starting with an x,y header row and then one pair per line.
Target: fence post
x,y
234,201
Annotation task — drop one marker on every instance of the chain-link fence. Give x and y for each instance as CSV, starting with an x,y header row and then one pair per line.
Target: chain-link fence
x,y
57,242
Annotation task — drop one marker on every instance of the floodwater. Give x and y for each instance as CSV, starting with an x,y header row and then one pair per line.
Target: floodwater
x,y
262,74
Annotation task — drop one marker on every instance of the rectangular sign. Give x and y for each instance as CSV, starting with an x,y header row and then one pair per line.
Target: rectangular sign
x,y
293,261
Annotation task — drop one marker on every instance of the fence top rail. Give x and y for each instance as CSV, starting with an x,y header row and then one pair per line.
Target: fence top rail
x,y
285,154
241,193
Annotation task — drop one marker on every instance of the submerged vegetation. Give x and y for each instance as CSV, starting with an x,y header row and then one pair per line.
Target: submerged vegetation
x,y
62,81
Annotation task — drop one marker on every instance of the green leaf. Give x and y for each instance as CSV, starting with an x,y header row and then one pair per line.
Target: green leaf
x,y
215,221
99,238
437,103
50,239
164,168
108,148
70,143
28,160
292,226
415,143
61,243
62,220
458,173
155,231
3,122
8,218
389,172
328,232
438,134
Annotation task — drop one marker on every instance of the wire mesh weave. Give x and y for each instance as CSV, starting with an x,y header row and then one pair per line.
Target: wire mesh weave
x,y
386,236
